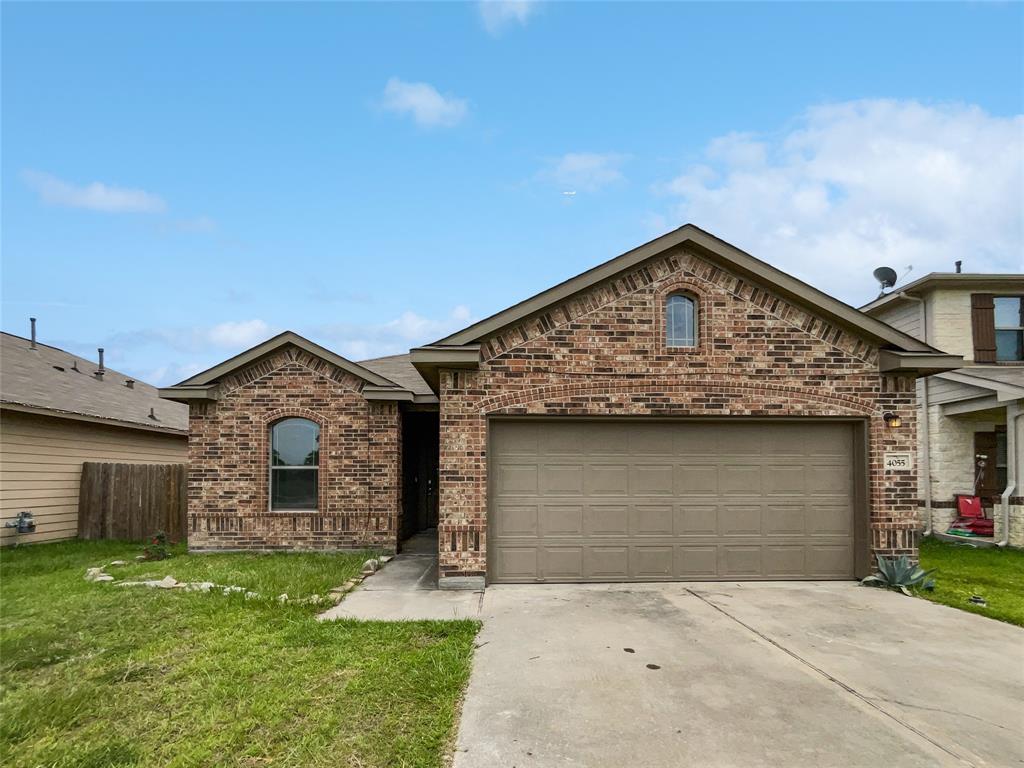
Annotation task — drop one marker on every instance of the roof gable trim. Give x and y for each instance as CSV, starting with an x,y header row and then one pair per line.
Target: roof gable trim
x,y
250,356
715,249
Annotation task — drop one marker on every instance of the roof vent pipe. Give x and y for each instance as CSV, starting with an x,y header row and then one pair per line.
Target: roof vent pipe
x,y
130,383
101,369
958,264
32,322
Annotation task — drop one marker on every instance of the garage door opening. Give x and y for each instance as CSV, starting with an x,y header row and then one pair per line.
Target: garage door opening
x,y
619,500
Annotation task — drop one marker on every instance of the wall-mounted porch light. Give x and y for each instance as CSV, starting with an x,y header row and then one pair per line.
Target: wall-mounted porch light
x,y
892,420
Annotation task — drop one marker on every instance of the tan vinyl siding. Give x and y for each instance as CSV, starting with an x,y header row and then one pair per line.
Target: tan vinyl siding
x,y
946,391
41,466
903,316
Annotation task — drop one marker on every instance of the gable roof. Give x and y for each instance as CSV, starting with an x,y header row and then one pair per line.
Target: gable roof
x,y
249,356
966,280
399,369
714,249
54,382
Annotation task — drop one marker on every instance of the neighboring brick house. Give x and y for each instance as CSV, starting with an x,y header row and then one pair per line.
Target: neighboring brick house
x,y
974,412
683,411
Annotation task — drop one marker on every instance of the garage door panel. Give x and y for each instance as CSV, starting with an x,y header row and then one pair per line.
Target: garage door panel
x,y
697,480
740,480
651,480
694,520
697,562
563,563
739,560
518,479
651,519
785,480
829,480
642,501
739,520
602,479
561,479
830,520
606,563
785,520
829,560
784,561
607,520
561,520
653,562
517,520
517,562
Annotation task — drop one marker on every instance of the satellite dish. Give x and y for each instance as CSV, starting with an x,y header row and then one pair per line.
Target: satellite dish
x,y
886,277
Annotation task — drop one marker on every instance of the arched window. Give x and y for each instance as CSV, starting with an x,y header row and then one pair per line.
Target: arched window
x,y
680,321
294,464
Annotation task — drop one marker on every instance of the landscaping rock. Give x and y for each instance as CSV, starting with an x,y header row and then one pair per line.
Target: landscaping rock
x,y
117,562
104,577
283,597
370,566
199,586
93,574
167,582
386,559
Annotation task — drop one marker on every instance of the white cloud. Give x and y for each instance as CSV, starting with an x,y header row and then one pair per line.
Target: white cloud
x,y
392,337
94,197
423,103
496,15
860,184
588,171
245,333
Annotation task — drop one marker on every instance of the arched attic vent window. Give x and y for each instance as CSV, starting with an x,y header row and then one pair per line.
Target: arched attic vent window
x,y
680,321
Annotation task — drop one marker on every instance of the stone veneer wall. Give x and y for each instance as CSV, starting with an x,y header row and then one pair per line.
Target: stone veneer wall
x,y
603,353
228,473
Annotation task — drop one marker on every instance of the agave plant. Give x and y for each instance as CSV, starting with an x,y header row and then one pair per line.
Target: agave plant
x,y
899,573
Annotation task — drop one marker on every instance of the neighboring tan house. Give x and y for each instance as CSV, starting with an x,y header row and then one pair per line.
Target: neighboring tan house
x,y
58,411
683,411
973,411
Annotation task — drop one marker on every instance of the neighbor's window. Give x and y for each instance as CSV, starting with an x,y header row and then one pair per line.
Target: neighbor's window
x,y
294,464
680,321
1009,327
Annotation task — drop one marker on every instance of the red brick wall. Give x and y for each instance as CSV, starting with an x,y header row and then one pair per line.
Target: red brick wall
x,y
360,456
603,353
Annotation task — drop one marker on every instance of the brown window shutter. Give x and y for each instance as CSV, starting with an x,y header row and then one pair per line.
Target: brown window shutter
x,y
983,327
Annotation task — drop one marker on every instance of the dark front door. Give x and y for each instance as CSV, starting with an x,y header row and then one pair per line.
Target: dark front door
x,y
420,451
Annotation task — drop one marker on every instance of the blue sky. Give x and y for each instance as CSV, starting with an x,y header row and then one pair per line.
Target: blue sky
x,y
181,181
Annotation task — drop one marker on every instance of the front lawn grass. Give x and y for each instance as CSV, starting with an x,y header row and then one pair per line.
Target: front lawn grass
x,y
92,674
995,574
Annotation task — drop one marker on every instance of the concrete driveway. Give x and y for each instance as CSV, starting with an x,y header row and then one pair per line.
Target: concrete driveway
x,y
738,675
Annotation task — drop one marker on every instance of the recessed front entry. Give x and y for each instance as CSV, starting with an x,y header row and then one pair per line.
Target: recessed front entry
x,y
685,500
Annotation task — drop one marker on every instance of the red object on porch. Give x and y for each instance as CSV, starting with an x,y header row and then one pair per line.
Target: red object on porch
x,y
971,517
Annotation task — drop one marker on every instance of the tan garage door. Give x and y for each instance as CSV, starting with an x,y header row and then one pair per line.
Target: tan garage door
x,y
648,501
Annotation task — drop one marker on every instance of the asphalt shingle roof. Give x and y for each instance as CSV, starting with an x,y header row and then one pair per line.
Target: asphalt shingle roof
x,y
399,369
46,378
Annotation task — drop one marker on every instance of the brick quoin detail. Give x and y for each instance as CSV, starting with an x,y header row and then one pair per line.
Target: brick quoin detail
x,y
360,456
602,353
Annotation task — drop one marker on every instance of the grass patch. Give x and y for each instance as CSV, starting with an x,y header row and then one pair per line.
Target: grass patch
x,y
92,674
995,574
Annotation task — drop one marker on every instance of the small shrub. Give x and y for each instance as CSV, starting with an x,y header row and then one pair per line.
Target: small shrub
x,y
157,548
899,573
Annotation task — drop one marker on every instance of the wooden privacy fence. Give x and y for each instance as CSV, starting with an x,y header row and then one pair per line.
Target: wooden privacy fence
x,y
132,501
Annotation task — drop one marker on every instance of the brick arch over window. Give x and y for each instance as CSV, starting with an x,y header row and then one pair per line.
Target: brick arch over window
x,y
703,309
266,422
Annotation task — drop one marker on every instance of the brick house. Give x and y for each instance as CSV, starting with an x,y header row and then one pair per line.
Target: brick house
x,y
972,437
683,411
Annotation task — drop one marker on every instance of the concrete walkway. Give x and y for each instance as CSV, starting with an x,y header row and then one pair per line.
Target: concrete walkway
x,y
725,674
406,589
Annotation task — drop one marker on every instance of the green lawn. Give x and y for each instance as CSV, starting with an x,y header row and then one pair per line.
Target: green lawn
x,y
995,574
99,675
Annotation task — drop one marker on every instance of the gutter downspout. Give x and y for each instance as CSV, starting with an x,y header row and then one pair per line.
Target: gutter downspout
x,y
1013,412
924,428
